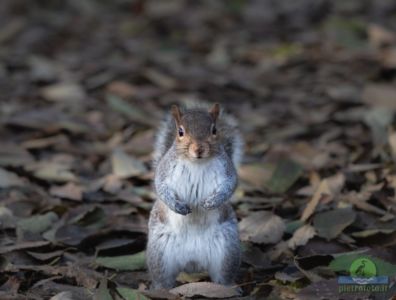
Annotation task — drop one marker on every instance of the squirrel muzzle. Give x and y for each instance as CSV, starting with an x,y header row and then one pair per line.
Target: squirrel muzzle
x,y
198,150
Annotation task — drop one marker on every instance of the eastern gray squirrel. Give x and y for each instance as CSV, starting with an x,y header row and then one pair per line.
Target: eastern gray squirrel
x,y
192,226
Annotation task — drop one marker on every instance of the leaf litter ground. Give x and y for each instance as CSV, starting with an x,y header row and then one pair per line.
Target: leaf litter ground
x,y
84,85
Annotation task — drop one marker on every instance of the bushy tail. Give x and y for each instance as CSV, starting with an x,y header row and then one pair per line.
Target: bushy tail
x,y
164,138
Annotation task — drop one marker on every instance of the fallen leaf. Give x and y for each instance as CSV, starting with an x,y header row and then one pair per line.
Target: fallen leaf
x,y
47,119
103,293
262,227
121,89
184,277
23,246
285,174
40,143
68,191
14,156
321,192
45,256
125,166
52,171
301,236
380,36
371,232
325,289
8,179
392,144
254,256
132,112
123,263
380,95
130,294
331,223
256,174
379,119
160,78
38,223
63,92
205,289
63,296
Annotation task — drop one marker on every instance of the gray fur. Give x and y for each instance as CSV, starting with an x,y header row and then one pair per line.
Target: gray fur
x,y
192,227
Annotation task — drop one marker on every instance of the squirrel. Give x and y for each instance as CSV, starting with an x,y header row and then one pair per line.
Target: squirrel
x,y
192,227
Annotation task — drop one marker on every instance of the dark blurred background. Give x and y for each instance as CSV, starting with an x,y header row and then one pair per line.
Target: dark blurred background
x,y
83,84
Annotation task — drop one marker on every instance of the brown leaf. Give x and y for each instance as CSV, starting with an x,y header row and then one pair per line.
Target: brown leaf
x,y
125,166
68,191
206,289
63,92
262,227
121,89
301,236
321,192
381,95
256,174
327,190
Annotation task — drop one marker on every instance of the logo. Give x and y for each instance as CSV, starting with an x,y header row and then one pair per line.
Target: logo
x,y
363,278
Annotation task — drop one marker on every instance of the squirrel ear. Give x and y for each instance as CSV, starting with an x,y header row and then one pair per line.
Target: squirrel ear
x,y
176,114
215,111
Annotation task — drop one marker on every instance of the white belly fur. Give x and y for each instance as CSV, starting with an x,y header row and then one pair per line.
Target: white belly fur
x,y
195,241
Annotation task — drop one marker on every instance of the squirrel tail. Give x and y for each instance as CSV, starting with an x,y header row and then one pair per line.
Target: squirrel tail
x,y
232,139
164,138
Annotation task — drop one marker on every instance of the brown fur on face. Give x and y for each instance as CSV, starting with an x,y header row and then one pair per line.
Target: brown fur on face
x,y
196,132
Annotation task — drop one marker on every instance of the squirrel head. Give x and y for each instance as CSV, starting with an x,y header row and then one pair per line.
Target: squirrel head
x,y
196,132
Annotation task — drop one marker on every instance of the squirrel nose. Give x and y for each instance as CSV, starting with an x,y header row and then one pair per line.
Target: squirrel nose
x,y
199,153
197,150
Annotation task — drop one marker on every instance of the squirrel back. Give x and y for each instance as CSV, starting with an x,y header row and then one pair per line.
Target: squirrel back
x,y
227,127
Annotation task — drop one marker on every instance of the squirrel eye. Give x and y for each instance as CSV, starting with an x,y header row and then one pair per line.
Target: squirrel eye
x,y
181,132
214,130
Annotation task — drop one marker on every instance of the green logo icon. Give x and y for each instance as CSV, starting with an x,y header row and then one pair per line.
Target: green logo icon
x,y
363,268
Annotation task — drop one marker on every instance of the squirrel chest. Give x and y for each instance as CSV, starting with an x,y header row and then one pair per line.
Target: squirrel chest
x,y
197,237
194,181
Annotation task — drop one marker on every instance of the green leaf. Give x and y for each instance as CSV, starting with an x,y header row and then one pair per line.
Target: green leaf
x,y
331,223
39,223
344,262
292,226
103,293
123,263
130,294
285,174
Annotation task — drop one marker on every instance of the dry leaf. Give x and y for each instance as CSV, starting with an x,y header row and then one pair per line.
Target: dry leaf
x,y
262,227
63,92
331,223
321,192
125,166
70,191
301,236
381,95
8,179
206,289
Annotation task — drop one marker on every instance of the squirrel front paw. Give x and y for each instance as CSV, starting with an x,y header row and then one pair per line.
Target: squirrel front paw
x,y
182,208
211,202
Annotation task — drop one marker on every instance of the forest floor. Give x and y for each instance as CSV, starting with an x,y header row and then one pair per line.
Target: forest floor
x,y
84,84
